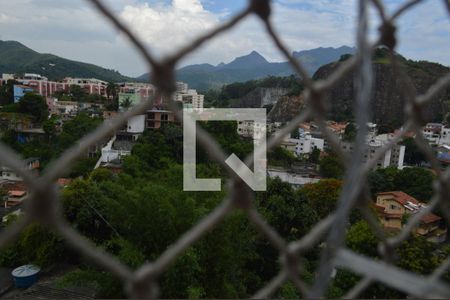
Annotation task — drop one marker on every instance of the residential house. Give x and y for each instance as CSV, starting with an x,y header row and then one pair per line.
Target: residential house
x,y
8,174
394,209
432,132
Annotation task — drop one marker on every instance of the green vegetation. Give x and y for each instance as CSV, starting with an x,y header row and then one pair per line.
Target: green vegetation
x,y
112,94
7,92
49,146
415,255
413,155
223,97
147,210
331,166
281,157
350,132
417,182
17,58
137,214
35,106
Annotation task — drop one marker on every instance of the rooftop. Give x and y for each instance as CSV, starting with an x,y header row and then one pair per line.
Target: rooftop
x,y
401,197
411,204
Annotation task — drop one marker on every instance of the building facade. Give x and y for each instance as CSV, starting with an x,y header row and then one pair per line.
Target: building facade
x,y
305,144
251,129
393,157
394,209
189,98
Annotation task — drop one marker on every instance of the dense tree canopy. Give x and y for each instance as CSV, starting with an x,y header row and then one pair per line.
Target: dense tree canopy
x,y
331,166
413,155
417,182
137,214
7,92
34,105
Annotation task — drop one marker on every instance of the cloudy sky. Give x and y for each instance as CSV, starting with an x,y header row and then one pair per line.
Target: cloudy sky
x,y
72,29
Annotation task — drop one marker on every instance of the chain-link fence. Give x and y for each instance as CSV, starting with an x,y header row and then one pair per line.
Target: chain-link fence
x,y
44,202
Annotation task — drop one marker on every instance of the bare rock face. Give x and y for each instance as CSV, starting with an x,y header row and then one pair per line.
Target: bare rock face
x,y
260,97
388,102
287,108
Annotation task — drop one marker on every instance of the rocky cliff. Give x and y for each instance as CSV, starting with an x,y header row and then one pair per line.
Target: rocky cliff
x,y
286,108
260,97
387,102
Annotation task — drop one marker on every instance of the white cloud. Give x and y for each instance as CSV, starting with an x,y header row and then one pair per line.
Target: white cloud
x,y
165,28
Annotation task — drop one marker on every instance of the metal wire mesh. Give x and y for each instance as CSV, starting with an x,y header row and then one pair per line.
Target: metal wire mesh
x,y
43,204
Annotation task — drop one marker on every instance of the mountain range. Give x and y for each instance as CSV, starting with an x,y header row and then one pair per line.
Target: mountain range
x,y
254,66
17,58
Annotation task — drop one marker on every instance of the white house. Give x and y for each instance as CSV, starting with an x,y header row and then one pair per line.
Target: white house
x,y
136,124
305,144
432,132
11,175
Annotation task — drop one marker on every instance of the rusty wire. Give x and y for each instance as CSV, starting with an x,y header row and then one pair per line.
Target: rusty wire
x,y
143,282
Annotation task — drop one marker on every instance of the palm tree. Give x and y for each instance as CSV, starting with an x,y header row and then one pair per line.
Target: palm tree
x,y
112,90
112,93
126,103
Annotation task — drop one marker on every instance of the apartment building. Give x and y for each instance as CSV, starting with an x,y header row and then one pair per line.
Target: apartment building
x,y
135,92
46,88
393,157
306,143
190,99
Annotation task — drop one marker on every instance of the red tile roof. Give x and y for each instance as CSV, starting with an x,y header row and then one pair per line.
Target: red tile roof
x,y
430,218
17,193
403,198
14,186
64,181
400,197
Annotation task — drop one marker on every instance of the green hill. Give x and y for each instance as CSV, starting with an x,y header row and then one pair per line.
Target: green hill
x,y
17,58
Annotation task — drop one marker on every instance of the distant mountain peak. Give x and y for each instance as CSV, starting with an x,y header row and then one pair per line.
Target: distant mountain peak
x,y
252,59
254,66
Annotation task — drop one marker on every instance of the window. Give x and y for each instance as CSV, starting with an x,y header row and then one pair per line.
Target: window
x,y
164,117
393,206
